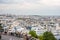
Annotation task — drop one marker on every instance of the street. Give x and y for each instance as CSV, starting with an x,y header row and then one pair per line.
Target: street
x,y
7,37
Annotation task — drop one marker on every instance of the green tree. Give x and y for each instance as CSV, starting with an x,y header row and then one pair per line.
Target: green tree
x,y
33,33
40,37
1,28
48,36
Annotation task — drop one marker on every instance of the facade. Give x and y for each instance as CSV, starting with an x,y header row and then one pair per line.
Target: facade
x,y
39,30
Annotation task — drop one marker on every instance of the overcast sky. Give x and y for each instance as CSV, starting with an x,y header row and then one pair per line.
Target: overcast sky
x,y
30,7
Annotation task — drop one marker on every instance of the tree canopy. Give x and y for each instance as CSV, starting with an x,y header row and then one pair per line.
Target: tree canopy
x,y
48,36
33,33
1,28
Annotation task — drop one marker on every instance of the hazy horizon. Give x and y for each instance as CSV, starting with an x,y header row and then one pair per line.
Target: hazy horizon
x,y
30,7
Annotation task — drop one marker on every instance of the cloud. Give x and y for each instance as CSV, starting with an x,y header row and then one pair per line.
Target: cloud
x,y
50,2
31,3
11,1
30,6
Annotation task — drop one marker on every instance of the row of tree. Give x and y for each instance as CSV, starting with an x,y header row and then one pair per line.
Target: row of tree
x,y
46,35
